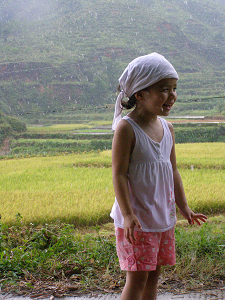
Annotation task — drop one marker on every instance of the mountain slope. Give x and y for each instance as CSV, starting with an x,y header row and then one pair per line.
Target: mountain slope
x,y
57,55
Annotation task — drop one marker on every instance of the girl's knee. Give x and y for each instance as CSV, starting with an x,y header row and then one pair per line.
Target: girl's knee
x,y
153,276
137,278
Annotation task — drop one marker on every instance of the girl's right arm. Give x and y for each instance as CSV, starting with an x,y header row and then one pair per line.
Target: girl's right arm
x,y
122,146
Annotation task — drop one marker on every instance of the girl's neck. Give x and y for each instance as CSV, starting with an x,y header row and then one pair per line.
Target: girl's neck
x,y
150,124
141,118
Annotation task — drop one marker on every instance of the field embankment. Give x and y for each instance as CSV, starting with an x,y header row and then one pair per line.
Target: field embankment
x,y
96,136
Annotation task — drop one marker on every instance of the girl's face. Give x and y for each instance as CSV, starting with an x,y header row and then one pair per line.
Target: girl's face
x,y
159,98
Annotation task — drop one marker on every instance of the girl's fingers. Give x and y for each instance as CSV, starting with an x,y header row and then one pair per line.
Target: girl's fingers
x,y
132,237
138,225
199,217
129,230
197,221
129,235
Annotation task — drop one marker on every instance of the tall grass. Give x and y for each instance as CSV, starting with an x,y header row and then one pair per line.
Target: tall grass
x,y
205,189
54,188
78,188
201,155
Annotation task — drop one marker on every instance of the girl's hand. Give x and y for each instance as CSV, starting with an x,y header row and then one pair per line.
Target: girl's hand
x,y
130,222
193,217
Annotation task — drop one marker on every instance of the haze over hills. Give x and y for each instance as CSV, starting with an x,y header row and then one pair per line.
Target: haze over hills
x,y
58,55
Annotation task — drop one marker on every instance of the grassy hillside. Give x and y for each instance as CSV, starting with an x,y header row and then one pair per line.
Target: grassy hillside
x,y
61,56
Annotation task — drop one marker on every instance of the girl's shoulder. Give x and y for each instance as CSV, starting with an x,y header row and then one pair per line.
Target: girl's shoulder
x,y
124,124
170,127
169,124
124,137
124,129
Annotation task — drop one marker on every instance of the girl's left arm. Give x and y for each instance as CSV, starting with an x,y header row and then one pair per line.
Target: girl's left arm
x,y
180,197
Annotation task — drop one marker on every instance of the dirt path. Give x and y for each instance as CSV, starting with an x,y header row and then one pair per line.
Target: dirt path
x,y
217,294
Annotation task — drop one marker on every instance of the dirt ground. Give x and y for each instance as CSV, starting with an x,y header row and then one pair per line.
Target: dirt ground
x,y
215,294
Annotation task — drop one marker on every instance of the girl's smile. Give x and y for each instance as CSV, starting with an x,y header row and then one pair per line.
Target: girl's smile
x,y
168,107
160,97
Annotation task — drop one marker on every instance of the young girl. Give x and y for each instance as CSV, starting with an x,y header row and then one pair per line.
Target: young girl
x,y
146,180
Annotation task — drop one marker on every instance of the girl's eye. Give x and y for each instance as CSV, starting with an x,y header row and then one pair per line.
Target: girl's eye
x,y
167,89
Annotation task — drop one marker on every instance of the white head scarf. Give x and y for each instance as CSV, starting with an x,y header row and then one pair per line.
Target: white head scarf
x,y
141,73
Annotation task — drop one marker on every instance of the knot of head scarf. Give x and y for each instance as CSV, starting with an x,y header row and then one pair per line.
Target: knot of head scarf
x,y
141,73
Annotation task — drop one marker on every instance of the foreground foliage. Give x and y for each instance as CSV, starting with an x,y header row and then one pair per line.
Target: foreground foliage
x,y
56,255
60,260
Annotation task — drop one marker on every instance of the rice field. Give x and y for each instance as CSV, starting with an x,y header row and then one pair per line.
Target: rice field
x,y
77,188
70,127
201,155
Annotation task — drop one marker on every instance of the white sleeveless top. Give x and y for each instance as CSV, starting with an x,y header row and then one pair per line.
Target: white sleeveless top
x,y
150,181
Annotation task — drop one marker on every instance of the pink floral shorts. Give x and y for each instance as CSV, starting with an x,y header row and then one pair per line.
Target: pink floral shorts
x,y
149,250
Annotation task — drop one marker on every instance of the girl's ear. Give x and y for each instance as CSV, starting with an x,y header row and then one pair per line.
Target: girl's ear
x,y
139,95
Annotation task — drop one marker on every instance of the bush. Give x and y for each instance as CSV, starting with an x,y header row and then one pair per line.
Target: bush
x,y
200,134
9,125
5,130
16,125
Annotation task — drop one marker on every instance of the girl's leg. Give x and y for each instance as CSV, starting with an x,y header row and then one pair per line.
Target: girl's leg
x,y
135,285
151,286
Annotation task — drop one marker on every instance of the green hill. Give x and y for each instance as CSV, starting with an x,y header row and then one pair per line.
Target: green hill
x,y
62,56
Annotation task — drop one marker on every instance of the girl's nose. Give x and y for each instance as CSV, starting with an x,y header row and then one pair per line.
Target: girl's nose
x,y
173,95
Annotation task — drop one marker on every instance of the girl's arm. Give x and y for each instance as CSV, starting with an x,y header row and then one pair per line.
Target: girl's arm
x,y
179,190
122,146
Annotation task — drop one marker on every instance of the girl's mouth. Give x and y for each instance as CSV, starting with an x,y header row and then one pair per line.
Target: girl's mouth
x,y
167,106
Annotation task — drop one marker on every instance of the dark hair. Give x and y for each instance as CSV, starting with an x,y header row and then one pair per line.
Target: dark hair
x,y
132,101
